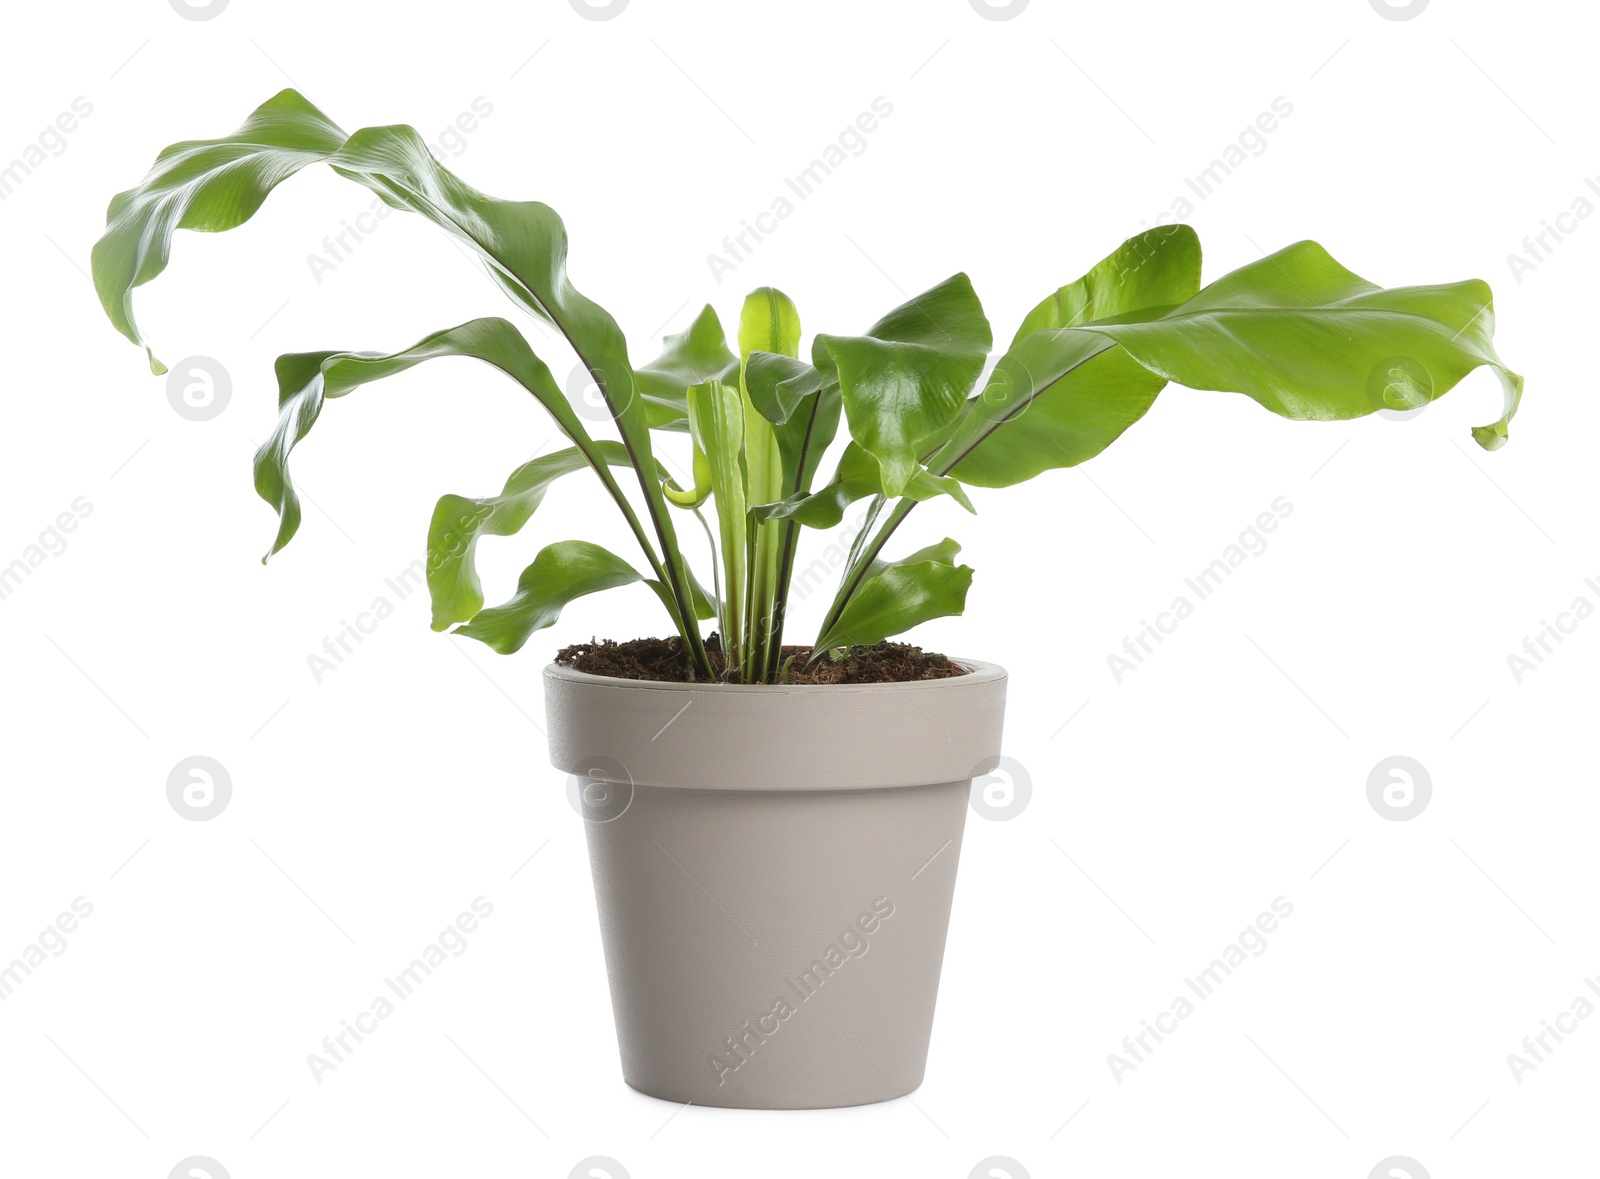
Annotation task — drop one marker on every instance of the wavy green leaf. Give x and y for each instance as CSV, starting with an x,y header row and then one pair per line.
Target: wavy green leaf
x,y
856,478
218,184
1157,268
898,595
698,353
1295,331
458,522
776,384
559,574
307,379
1308,339
207,185
909,375
1056,399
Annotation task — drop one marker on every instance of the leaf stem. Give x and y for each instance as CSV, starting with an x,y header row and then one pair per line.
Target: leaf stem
x,y
856,570
791,536
668,567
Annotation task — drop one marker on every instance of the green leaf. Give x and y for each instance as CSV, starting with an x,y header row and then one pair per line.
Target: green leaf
x,y
898,595
699,353
716,422
791,394
857,478
1056,399
208,185
458,522
1157,268
796,413
307,379
1295,331
705,602
769,322
909,375
700,490
776,384
1303,336
560,573
217,184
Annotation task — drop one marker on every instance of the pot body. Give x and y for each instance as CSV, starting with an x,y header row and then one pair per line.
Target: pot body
x,y
773,868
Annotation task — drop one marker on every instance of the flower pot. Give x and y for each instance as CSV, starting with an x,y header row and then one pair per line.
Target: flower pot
x,y
773,867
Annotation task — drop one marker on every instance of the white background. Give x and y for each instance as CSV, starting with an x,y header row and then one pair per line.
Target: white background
x,y
369,808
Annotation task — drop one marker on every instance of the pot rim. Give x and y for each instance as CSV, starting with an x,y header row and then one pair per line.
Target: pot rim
x,y
978,672
776,737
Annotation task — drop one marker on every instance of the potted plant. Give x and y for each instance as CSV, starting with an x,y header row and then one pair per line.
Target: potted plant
x,y
774,830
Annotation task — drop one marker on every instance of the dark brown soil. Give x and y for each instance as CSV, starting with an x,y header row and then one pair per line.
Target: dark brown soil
x,y
666,660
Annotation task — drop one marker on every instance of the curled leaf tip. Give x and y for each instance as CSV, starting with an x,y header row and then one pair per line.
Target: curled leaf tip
x,y
1490,437
156,366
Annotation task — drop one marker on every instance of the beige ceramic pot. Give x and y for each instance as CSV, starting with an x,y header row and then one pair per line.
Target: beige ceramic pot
x,y
773,867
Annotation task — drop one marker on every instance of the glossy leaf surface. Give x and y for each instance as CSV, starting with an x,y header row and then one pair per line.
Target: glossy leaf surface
x,y
561,573
898,595
909,375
